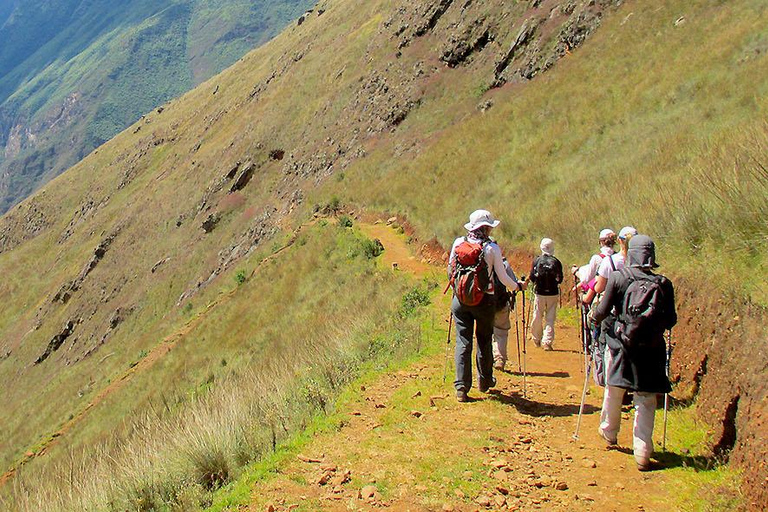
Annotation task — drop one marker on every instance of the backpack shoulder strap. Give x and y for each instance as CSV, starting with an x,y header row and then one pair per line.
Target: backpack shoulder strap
x,y
613,264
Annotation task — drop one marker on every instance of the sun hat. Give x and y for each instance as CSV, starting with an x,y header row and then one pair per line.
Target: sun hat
x,y
627,231
606,233
547,246
642,252
480,218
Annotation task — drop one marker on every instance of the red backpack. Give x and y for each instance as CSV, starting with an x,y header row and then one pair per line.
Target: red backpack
x,y
469,273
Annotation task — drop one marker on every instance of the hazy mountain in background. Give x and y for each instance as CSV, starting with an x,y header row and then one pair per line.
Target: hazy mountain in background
x,y
74,73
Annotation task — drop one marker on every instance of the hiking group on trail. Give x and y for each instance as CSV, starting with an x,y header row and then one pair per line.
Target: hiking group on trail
x,y
625,310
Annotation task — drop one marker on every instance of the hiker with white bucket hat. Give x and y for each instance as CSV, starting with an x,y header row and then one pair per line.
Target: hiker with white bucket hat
x,y
474,261
546,276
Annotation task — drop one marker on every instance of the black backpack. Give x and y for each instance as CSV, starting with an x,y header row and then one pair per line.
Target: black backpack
x,y
546,274
642,314
502,296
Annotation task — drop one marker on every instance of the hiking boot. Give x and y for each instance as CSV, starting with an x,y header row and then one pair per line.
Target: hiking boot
x,y
643,464
608,440
483,387
547,348
461,396
536,342
498,365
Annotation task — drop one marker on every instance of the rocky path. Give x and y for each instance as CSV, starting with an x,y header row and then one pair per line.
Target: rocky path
x,y
403,442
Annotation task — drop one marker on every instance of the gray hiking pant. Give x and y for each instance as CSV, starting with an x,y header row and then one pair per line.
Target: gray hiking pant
x,y
477,321
501,327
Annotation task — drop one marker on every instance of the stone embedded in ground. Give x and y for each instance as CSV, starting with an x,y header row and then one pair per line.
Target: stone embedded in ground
x,y
448,508
324,478
561,486
340,479
588,463
368,492
391,220
459,494
270,508
483,501
503,490
416,414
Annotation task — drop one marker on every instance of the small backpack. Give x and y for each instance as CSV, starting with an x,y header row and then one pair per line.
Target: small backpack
x,y
470,278
546,273
502,296
642,313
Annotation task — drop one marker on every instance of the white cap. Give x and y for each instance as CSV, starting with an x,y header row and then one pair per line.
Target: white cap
x,y
480,218
627,232
606,233
547,246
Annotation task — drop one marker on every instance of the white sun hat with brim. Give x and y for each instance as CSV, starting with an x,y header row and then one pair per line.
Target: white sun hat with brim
x,y
479,218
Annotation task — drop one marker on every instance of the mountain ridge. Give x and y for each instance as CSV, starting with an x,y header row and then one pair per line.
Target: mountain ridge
x,y
105,65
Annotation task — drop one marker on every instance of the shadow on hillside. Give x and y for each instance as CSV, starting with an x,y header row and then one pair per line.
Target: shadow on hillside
x,y
539,409
670,460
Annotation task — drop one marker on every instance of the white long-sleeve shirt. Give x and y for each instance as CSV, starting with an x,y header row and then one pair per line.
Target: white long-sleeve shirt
x,y
587,272
493,259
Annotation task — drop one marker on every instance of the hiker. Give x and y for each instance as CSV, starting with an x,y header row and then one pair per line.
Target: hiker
x,y
474,260
608,265
504,301
613,262
587,274
546,276
643,307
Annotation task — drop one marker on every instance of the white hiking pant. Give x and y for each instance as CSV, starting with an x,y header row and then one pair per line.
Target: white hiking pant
x,y
501,327
544,311
645,412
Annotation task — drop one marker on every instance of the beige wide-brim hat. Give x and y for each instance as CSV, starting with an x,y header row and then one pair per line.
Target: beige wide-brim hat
x,y
480,218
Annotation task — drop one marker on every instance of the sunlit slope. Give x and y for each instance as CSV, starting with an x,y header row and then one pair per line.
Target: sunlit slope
x,y
655,121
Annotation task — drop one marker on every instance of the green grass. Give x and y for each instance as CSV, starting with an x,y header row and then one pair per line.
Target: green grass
x,y
700,482
211,419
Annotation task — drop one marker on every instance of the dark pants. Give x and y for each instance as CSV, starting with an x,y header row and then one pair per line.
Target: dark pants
x,y
477,320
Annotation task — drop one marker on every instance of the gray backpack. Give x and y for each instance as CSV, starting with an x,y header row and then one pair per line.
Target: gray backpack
x,y
642,314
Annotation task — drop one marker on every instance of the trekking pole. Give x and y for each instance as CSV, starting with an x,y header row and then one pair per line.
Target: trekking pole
x,y
525,338
582,328
447,345
583,400
575,292
517,335
666,395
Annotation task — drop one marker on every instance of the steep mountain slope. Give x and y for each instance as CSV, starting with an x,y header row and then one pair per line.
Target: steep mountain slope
x,y
401,107
74,74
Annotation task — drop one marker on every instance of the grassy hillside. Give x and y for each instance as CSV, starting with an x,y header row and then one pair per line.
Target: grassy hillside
x,y
561,119
73,75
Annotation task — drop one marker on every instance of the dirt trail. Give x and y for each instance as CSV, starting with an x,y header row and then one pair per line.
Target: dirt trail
x,y
407,443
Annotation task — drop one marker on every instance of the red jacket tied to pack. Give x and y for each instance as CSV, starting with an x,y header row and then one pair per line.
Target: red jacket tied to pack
x,y
469,273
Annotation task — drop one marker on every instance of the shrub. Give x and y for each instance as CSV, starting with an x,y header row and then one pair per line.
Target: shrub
x,y
412,300
240,277
345,221
372,248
